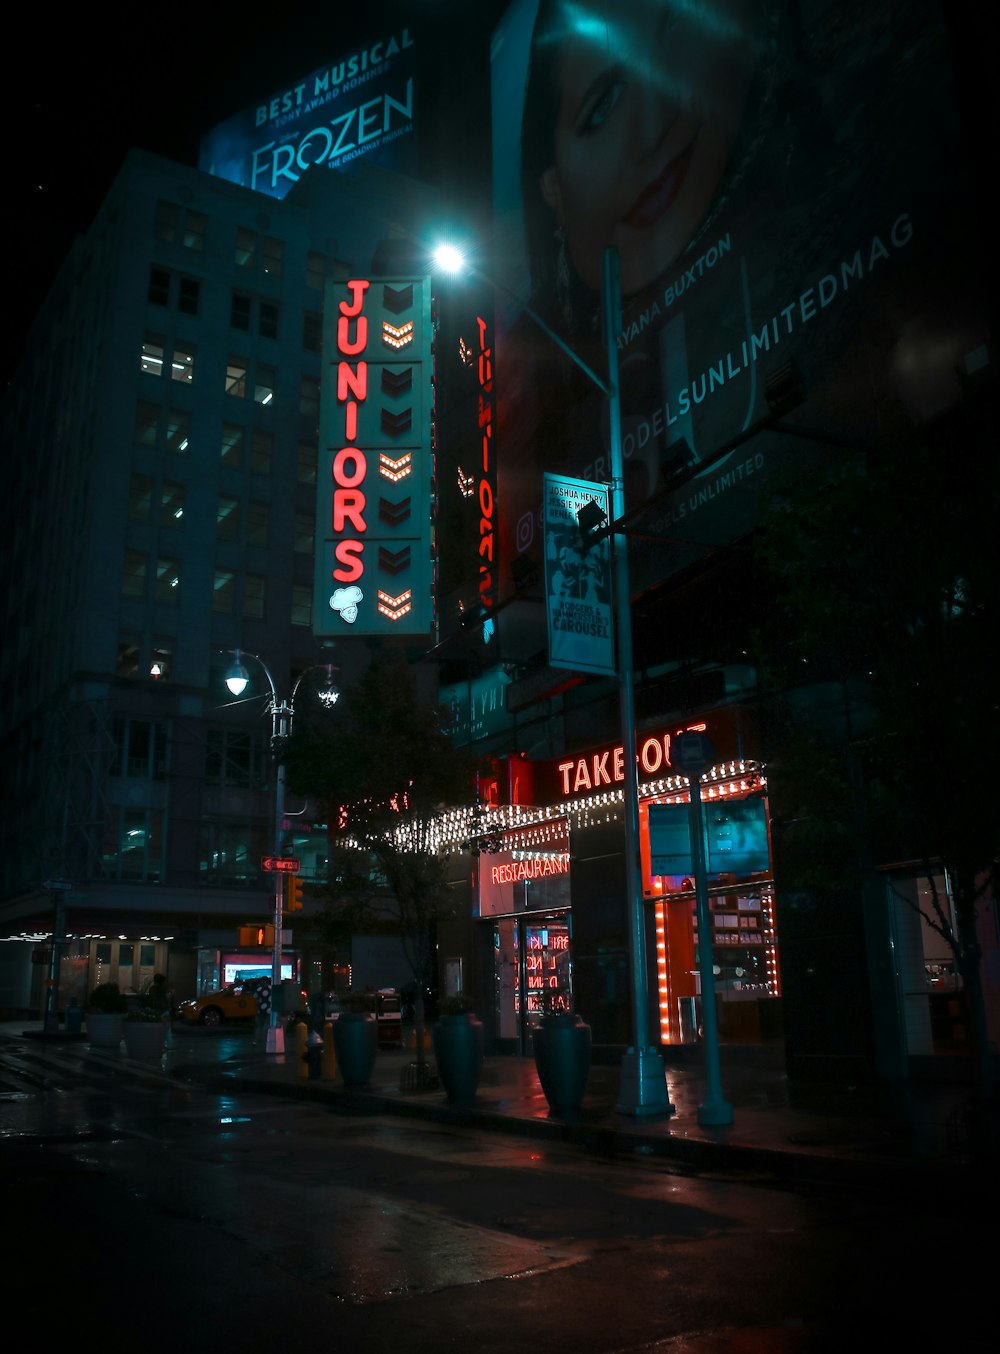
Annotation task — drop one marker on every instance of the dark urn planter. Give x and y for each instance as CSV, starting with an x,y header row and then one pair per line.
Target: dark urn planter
x,y
561,1046
355,1042
458,1051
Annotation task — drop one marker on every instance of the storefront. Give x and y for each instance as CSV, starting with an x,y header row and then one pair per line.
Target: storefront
x,y
550,895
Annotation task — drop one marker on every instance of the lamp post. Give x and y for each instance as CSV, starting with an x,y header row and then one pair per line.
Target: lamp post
x,y
643,1087
281,710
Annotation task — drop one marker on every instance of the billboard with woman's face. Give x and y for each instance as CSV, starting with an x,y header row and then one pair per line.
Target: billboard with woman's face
x,y
783,184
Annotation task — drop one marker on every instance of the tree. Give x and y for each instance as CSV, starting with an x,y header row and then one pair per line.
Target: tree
x,y
385,775
883,594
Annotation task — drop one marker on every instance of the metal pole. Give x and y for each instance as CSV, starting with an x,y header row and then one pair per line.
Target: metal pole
x,y
51,1023
275,1042
643,1087
715,1110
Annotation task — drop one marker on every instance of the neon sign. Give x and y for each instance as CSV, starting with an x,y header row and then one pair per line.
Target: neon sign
x,y
606,766
487,474
535,868
374,527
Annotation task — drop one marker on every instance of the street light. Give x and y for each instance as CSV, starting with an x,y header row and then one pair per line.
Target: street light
x,y
643,1088
237,680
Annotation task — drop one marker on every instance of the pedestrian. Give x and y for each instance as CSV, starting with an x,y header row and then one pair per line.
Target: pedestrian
x,y
263,1010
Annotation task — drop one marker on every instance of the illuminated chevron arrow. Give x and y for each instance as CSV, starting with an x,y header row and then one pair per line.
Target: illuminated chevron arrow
x,y
395,608
395,470
397,338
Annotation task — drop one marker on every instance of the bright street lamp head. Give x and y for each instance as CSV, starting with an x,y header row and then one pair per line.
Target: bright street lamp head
x,y
237,678
450,258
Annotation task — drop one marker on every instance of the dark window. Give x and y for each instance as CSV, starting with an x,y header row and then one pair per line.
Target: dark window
x,y
159,287
239,311
188,295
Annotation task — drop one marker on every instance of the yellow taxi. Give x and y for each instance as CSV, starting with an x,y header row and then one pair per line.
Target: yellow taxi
x,y
237,1001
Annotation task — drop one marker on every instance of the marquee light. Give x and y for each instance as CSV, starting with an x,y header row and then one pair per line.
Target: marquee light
x,y
394,470
394,607
394,337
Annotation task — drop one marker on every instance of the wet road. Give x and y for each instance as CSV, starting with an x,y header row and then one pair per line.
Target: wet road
x,y
153,1212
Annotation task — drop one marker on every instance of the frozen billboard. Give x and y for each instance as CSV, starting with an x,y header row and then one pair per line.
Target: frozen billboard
x,y
783,183
360,104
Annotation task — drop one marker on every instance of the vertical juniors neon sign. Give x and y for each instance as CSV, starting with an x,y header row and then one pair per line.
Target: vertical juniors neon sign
x,y
373,503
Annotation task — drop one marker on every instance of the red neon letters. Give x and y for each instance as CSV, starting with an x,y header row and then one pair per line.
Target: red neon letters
x,y
350,464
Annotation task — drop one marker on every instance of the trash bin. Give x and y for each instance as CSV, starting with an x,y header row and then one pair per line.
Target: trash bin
x,y
314,1055
74,1017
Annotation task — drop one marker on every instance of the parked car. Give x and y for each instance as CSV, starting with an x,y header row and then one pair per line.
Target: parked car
x,y
237,1001
384,1004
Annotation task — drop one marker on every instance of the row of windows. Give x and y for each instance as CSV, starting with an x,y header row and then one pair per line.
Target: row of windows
x,y
233,592
249,522
180,225
160,356
240,447
247,313
229,851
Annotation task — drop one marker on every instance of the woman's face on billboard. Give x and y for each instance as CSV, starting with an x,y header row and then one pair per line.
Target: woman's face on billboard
x,y
650,98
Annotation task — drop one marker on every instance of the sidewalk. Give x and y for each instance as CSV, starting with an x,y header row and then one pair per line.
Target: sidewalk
x,y
916,1138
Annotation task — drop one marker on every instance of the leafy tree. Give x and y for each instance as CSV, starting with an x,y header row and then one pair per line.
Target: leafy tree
x,y
878,672
385,774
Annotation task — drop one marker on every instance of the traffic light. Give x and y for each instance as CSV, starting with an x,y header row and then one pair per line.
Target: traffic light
x,y
294,893
255,937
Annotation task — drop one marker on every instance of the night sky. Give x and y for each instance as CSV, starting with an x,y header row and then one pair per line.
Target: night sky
x,y
80,90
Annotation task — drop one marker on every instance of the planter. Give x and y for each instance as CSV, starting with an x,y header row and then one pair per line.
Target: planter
x,y
562,1059
145,1038
105,1030
355,1041
458,1051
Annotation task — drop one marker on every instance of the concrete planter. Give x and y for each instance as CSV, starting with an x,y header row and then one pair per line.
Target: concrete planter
x,y
458,1051
105,1030
355,1040
561,1045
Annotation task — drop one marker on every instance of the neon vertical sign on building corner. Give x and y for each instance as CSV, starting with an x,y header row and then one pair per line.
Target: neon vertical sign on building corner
x,y
486,476
374,533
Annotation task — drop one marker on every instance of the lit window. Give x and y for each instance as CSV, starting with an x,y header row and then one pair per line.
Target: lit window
x,y
147,420
171,505
159,287
161,663
305,528
274,252
140,498
236,377
168,581
195,226
239,311
232,445
260,452
301,605
253,597
263,390
306,463
188,296
151,361
315,270
224,592
268,320
257,523
182,366
178,431
227,522
246,248
134,574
